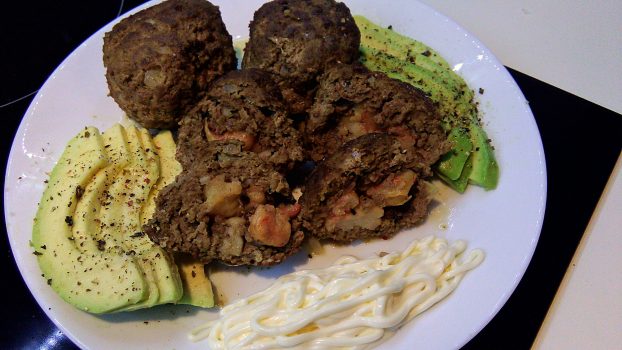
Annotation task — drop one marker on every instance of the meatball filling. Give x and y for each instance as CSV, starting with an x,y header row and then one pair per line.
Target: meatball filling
x,y
369,187
229,206
366,210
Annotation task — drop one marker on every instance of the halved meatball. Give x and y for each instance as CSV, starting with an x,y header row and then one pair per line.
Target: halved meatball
x,y
243,105
160,60
230,206
353,101
367,188
297,40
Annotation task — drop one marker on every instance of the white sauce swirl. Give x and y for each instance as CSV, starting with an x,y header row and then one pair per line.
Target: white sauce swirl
x,y
348,305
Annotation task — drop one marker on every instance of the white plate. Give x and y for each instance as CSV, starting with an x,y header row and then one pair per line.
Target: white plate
x,y
505,222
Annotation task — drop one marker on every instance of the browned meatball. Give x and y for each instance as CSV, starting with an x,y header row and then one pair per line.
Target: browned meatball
x,y
160,60
368,188
297,40
243,105
352,101
228,206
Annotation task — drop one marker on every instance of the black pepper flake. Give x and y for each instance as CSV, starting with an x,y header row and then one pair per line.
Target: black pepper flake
x,y
43,247
87,134
146,322
309,256
37,253
426,53
481,91
194,274
79,192
390,27
69,220
131,252
49,281
137,234
101,244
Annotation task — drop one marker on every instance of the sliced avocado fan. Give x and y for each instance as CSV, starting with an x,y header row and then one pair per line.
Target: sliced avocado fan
x,y
87,233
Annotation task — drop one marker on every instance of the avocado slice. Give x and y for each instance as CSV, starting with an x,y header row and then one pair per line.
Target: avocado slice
x,y
197,289
169,169
121,212
168,279
122,220
460,184
406,50
451,164
485,168
394,43
92,280
197,286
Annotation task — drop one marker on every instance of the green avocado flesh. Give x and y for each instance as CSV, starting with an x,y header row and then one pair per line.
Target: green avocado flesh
x,y
87,232
471,159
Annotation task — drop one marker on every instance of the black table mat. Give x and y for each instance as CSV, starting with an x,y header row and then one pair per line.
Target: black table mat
x,y
581,142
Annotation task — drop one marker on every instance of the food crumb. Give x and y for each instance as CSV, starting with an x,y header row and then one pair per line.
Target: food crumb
x,y
481,91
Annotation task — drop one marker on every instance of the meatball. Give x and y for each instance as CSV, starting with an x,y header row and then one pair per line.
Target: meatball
x,y
160,60
230,206
352,101
297,40
367,188
243,105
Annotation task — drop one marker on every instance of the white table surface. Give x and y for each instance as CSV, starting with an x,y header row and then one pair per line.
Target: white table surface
x,y
576,46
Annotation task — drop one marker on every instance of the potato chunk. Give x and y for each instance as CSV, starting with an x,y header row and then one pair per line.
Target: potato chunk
x,y
367,218
222,197
236,227
348,212
358,124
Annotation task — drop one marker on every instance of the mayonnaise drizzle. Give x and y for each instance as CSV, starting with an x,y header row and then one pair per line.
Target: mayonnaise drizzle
x,y
350,304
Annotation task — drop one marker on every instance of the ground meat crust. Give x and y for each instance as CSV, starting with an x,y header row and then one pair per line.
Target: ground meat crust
x,y
298,39
160,60
378,104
